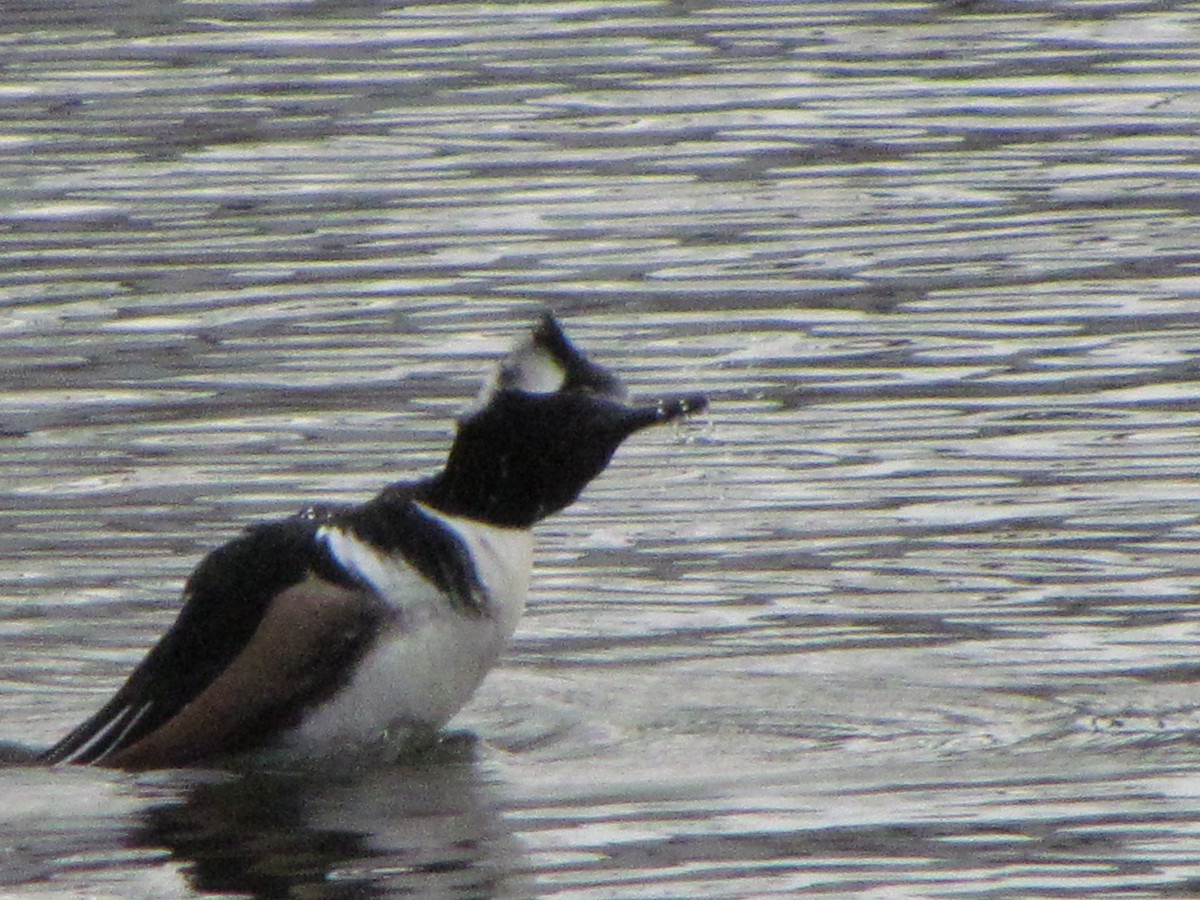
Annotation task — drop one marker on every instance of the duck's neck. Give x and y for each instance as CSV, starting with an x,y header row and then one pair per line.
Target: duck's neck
x,y
481,494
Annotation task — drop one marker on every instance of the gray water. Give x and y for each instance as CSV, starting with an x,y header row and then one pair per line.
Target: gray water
x,y
909,613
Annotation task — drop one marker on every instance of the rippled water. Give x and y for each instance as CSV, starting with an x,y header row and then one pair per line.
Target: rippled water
x,y
909,614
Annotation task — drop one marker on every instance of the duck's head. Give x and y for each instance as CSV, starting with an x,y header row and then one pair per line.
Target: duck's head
x,y
546,423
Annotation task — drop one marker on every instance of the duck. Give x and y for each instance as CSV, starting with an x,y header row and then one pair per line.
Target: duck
x,y
356,632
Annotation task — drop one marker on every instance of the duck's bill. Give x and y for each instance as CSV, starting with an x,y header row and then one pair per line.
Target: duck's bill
x,y
667,409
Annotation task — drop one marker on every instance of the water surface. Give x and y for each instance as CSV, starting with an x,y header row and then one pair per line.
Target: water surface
x,y
909,613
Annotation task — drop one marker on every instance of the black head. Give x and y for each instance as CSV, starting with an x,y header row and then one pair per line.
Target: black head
x,y
545,425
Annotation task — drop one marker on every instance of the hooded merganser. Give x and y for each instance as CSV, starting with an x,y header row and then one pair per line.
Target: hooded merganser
x,y
352,630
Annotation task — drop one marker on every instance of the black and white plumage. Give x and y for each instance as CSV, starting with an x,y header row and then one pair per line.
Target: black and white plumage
x,y
353,630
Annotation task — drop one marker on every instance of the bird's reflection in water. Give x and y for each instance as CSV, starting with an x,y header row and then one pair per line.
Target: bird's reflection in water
x,y
425,825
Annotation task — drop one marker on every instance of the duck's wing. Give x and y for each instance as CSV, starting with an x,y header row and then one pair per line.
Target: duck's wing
x,y
269,624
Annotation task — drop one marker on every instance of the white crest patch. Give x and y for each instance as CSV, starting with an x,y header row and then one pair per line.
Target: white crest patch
x,y
530,367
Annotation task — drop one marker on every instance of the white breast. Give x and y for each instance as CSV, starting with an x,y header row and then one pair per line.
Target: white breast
x,y
430,656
